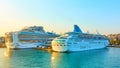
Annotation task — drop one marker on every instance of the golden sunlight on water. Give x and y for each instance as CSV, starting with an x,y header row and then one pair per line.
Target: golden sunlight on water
x,y
7,53
5,58
54,59
59,60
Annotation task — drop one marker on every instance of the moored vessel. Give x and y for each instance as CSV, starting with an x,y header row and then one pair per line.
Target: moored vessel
x,y
79,41
30,37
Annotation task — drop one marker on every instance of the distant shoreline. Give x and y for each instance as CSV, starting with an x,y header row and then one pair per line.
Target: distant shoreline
x,y
117,46
3,46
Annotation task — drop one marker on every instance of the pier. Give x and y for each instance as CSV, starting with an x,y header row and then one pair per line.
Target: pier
x,y
46,48
114,46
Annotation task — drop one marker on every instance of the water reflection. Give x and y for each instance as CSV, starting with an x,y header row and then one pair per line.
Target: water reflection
x,y
26,58
83,59
7,53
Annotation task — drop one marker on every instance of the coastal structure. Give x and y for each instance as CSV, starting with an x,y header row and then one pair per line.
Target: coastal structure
x,y
2,42
29,37
114,39
79,41
2,39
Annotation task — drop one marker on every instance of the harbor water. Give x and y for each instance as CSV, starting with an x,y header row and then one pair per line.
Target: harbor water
x,y
33,58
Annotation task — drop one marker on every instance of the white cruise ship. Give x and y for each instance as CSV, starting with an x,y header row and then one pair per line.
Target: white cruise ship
x,y
79,41
29,37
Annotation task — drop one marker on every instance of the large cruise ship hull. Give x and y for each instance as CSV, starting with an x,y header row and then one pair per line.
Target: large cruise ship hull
x,y
29,37
80,46
77,48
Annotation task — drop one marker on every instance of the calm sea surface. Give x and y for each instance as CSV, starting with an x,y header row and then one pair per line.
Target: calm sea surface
x,y
31,58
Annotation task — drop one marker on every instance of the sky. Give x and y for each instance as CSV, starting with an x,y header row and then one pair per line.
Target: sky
x,y
101,16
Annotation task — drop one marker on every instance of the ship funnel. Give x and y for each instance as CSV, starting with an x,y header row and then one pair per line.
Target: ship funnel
x,y
77,29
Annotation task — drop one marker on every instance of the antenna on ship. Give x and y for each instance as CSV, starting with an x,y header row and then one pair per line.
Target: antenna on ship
x,y
97,32
88,31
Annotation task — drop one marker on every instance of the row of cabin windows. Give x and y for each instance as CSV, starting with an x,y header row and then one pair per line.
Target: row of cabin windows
x,y
60,45
98,42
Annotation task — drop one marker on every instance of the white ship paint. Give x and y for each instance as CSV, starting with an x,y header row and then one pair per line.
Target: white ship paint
x,y
79,41
30,37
